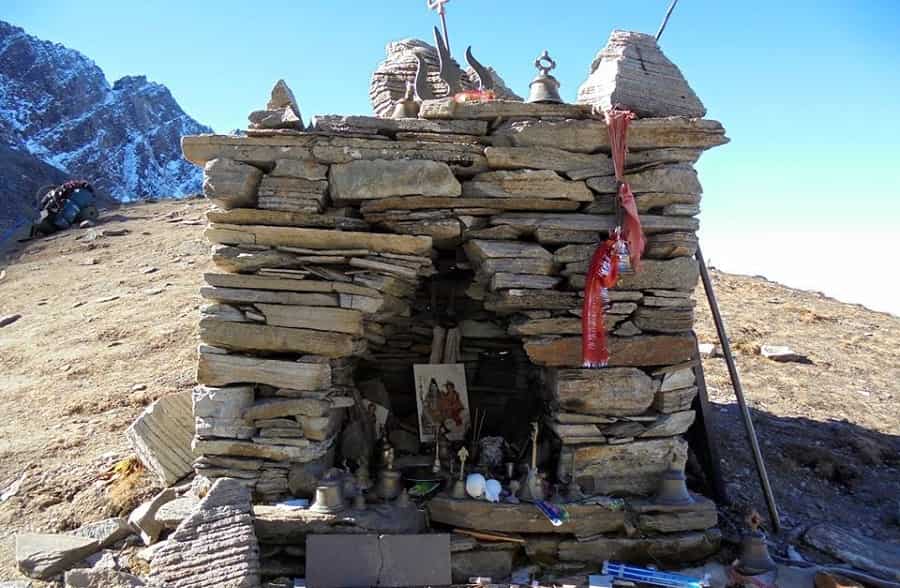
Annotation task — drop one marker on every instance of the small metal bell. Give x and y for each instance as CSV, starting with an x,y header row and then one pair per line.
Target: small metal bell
x,y
406,107
389,484
459,490
544,88
672,488
329,498
754,559
624,256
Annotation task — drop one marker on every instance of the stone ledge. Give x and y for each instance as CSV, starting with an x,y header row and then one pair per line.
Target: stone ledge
x,y
586,520
281,526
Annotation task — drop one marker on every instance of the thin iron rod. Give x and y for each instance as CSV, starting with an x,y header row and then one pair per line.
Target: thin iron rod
x,y
739,393
709,453
444,26
665,21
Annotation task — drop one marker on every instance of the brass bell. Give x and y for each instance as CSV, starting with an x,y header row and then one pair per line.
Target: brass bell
x,y
329,498
672,488
406,107
389,484
754,559
544,88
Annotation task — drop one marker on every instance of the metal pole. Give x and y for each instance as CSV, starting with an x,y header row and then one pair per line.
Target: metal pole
x,y
665,21
739,393
444,26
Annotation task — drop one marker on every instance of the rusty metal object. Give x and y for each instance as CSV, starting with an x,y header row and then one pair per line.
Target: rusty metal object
x,y
544,88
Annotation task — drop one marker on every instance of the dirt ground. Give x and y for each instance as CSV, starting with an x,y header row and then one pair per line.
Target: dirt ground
x,y
109,323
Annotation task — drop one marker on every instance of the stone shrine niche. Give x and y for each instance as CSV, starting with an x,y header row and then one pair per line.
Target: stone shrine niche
x,y
348,252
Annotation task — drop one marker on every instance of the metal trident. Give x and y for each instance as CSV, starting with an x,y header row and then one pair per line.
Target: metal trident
x,y
439,6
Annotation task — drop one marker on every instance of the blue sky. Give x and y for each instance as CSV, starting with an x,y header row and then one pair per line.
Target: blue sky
x,y
807,193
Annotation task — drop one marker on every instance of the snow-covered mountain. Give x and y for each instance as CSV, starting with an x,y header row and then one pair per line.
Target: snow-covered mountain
x,y
57,106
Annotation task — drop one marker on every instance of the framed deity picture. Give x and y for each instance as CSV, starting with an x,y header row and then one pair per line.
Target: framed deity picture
x,y
442,400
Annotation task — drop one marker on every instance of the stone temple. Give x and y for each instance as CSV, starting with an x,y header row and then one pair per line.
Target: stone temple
x,y
353,253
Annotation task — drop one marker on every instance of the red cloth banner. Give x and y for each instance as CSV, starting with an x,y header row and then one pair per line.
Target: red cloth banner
x,y
603,271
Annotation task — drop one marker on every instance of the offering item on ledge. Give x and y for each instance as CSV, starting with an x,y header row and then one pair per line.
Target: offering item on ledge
x,y
532,486
459,486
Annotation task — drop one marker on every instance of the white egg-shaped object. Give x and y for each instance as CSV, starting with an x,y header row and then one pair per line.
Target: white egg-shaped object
x,y
492,489
475,485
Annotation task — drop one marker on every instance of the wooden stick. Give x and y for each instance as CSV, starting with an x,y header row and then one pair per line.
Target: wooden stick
x,y
489,536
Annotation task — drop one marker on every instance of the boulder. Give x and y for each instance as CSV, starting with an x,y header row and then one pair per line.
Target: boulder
x,y
380,178
231,184
42,555
632,71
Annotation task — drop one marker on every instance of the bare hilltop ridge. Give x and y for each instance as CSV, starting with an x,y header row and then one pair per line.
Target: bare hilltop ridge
x,y
109,322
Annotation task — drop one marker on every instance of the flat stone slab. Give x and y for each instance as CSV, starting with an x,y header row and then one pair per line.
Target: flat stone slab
x,y
338,561
585,520
333,123
44,555
626,468
610,392
370,180
447,108
642,350
105,532
655,518
675,548
280,526
162,435
878,557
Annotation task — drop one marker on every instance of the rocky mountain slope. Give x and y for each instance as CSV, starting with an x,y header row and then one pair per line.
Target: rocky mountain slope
x,y
109,322
60,117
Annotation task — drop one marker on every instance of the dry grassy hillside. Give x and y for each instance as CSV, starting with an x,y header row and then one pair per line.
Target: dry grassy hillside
x,y
109,324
